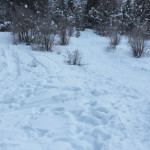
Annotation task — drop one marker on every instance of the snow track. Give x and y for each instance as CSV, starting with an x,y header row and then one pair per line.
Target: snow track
x,y
48,105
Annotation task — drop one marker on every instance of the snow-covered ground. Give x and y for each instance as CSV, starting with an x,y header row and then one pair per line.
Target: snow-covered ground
x,y
46,104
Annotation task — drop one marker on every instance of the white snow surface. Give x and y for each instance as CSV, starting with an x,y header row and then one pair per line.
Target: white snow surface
x,y
46,104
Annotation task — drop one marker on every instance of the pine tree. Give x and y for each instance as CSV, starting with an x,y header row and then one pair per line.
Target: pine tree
x,y
108,14
127,16
139,11
91,13
142,14
147,16
70,5
79,13
90,4
61,6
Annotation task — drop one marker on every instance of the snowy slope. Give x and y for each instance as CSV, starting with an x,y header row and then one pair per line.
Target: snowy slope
x,y
48,105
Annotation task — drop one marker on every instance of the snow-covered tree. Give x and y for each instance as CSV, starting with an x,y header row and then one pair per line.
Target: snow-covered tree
x,y
142,13
127,16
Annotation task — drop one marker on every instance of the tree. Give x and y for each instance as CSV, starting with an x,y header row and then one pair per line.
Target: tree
x,y
61,5
127,17
44,36
142,13
90,4
79,14
91,13
23,24
70,5
109,14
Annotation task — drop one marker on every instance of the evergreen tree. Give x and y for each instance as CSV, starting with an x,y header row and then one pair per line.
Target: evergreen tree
x,y
91,12
61,6
90,4
99,14
139,10
127,16
109,11
142,14
147,16
79,13
70,5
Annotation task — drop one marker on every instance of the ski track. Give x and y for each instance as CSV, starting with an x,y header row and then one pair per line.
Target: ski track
x,y
103,105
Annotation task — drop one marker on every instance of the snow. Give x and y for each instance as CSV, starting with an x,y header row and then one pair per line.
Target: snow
x,y
46,104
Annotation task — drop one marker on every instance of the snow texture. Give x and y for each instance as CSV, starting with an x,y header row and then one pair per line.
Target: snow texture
x,y
46,104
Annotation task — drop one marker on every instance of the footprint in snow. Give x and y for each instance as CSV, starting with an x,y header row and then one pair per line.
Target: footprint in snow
x,y
60,98
31,132
98,93
50,87
71,89
41,132
92,104
88,120
101,134
102,115
58,110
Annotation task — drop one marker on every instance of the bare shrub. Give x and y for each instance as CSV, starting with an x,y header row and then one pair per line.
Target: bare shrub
x,y
114,40
44,35
137,41
34,63
38,31
23,24
113,36
77,32
73,58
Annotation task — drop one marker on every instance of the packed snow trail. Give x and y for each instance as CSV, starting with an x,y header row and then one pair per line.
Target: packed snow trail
x,y
46,104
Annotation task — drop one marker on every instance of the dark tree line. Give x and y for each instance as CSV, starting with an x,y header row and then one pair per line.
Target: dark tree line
x,y
34,21
103,14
